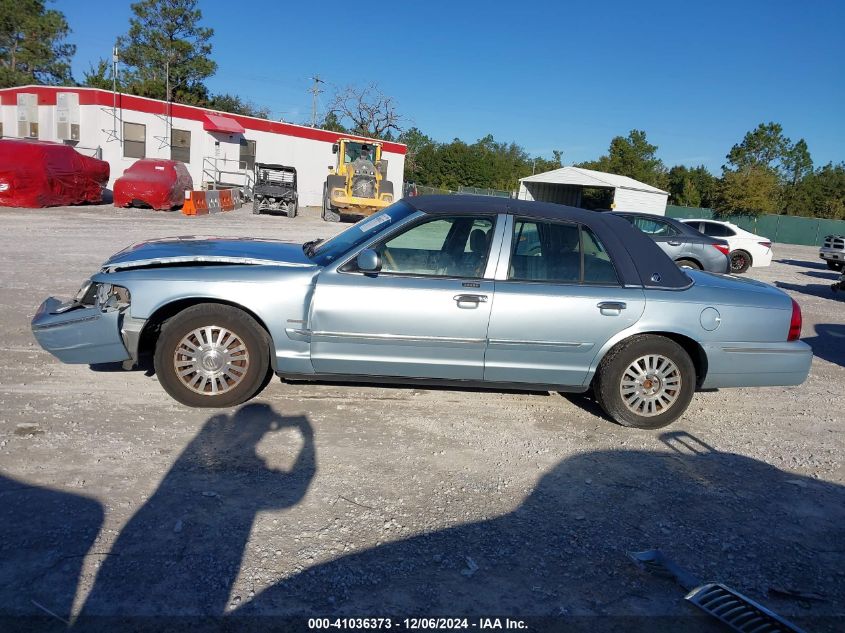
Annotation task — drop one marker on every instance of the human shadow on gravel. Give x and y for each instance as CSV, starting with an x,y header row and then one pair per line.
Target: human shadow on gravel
x,y
44,536
829,342
181,552
561,554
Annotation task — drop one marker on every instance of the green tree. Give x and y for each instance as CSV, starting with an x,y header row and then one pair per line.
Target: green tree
x,y
691,187
763,154
165,37
632,156
416,142
822,193
330,122
796,167
99,76
32,44
749,191
763,146
236,105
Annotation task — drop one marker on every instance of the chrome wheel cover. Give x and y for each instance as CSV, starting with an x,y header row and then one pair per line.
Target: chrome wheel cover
x,y
650,385
211,360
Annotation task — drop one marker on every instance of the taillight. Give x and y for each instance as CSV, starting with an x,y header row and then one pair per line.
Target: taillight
x,y
765,244
724,249
795,322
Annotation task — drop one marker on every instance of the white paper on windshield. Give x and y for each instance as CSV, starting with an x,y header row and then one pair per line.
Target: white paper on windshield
x,y
372,223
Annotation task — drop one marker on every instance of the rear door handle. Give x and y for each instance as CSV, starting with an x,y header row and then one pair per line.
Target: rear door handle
x,y
474,300
611,308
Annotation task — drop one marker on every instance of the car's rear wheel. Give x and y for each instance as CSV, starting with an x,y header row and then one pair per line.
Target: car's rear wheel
x,y
212,355
688,263
740,262
646,382
256,206
834,265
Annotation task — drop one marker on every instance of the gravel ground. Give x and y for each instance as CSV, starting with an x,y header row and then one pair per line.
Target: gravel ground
x,y
325,500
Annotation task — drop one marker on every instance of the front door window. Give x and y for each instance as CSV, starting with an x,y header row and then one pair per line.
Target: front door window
x,y
441,247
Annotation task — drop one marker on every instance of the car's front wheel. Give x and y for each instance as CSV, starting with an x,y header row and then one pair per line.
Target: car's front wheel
x,y
212,355
834,265
646,382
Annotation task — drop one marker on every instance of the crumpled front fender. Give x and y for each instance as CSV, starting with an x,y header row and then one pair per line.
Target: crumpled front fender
x,y
85,335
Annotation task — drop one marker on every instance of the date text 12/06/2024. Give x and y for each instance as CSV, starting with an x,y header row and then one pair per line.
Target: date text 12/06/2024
x,y
415,624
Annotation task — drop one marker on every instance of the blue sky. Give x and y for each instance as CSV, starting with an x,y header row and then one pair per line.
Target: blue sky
x,y
557,75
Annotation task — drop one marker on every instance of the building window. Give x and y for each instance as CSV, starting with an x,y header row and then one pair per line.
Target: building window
x,y
180,145
247,160
134,140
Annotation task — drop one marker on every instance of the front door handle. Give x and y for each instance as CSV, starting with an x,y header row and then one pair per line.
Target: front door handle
x,y
611,308
469,301
674,243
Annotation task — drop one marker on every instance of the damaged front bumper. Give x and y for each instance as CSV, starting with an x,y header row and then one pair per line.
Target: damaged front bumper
x,y
77,333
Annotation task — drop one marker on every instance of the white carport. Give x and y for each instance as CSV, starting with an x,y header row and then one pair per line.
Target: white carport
x,y
566,186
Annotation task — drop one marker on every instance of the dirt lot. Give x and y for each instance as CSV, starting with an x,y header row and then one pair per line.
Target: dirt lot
x,y
324,500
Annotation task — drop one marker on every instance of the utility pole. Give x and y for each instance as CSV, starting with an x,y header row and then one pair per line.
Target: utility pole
x,y
114,60
315,90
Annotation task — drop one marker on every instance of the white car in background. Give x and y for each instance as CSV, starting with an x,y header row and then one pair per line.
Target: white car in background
x,y
746,248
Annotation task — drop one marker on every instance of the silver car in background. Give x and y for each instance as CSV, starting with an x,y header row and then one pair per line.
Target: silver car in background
x,y
688,247
436,290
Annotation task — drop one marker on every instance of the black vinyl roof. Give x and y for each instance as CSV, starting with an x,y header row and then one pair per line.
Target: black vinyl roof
x,y
638,260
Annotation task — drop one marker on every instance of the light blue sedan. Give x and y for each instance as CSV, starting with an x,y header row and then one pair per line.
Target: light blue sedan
x,y
436,290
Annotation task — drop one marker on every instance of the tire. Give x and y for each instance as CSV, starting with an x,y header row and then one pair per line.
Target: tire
x,y
188,329
837,266
256,207
616,367
740,262
329,213
688,263
293,210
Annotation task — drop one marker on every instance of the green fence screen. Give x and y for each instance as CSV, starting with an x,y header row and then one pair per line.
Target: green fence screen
x,y
787,229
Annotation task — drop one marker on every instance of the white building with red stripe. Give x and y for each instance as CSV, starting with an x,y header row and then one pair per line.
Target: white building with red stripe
x,y
215,146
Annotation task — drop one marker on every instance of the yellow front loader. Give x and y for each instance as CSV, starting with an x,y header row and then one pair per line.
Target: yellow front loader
x,y
358,183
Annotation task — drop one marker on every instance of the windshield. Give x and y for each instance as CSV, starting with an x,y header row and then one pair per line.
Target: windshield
x,y
339,245
355,150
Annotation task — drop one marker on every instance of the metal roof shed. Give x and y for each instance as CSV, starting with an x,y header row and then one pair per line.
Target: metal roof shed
x,y
565,186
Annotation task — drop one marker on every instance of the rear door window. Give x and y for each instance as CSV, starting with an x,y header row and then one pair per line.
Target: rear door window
x,y
716,230
558,252
653,227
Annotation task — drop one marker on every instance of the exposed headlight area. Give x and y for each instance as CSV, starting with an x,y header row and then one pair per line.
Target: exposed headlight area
x,y
111,297
102,295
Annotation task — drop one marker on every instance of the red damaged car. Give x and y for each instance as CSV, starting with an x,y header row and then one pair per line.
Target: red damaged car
x,y
153,182
38,174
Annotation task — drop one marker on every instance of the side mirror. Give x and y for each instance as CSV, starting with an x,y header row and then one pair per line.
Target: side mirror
x,y
335,148
368,261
